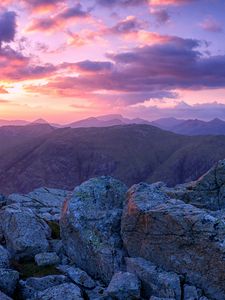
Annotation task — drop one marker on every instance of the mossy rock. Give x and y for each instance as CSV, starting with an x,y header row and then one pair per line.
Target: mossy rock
x,y
30,269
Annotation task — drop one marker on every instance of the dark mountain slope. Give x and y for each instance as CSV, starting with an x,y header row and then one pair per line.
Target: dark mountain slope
x,y
12,136
66,157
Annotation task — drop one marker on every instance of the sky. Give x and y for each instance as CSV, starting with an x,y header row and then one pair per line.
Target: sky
x,y
68,60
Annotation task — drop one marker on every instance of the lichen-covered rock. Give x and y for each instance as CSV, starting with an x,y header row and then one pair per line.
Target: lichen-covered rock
x,y
124,285
207,192
25,234
30,288
4,296
155,281
78,276
65,291
160,298
45,202
177,237
46,259
4,257
8,281
90,226
190,292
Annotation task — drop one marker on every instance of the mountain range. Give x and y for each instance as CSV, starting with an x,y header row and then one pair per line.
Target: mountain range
x,y
180,126
41,155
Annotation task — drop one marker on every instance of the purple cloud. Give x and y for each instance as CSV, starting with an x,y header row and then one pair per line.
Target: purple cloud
x,y
161,16
211,25
204,111
71,12
94,66
109,3
130,24
7,26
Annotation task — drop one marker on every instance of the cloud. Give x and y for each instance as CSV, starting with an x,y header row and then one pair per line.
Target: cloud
x,y
94,66
51,23
203,111
42,5
161,15
7,26
111,3
15,66
128,25
170,2
140,74
211,25
3,90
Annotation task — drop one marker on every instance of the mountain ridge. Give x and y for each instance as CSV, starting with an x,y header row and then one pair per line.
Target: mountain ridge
x,y
65,157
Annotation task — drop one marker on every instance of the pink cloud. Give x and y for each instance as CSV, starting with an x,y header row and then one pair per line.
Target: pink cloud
x,y
211,25
170,2
60,20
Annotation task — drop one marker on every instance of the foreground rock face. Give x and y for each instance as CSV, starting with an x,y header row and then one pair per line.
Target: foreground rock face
x,y
175,236
25,234
207,192
90,226
8,281
154,280
124,285
170,244
65,291
44,202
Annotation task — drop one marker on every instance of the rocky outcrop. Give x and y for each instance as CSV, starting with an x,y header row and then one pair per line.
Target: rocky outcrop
x,y
30,288
175,236
90,226
4,257
25,234
124,285
4,296
46,259
155,281
65,291
8,281
150,242
78,276
207,192
44,202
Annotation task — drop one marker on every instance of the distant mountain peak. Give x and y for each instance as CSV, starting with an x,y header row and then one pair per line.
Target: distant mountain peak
x,y
40,121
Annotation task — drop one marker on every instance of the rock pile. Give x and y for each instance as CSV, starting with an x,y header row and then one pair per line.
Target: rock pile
x,y
104,242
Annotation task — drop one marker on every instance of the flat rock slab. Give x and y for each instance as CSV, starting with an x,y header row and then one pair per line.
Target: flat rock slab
x,y
66,291
47,259
124,285
155,281
177,237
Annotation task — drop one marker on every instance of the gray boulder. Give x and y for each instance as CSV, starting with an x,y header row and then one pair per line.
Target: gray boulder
x,y
207,192
65,291
45,202
160,298
4,257
4,296
154,280
177,237
46,259
90,226
25,234
78,276
8,281
124,285
190,292
30,288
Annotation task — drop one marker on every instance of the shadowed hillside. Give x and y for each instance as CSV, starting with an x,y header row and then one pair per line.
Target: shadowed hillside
x,y
63,158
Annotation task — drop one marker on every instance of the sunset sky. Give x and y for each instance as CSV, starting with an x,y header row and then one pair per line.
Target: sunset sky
x,y
67,60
